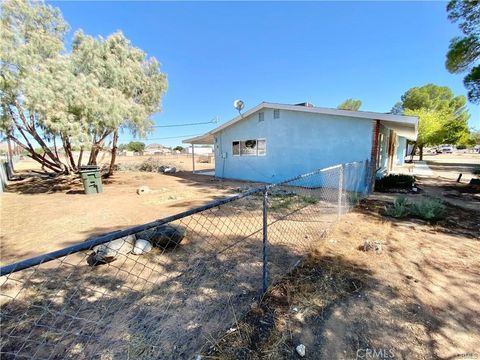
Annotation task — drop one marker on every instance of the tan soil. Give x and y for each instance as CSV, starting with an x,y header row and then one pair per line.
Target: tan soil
x,y
419,298
39,216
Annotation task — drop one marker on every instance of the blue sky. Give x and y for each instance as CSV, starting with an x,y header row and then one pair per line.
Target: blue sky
x,y
321,52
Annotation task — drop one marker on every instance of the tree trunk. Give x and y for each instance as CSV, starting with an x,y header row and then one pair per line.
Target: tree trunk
x,y
67,146
114,153
24,126
421,152
79,163
97,145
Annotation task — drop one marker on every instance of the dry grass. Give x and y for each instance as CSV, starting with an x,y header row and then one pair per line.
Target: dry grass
x,y
270,329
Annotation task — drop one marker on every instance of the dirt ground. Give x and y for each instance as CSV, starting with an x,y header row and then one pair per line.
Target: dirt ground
x,y
449,166
166,303
415,298
183,162
55,213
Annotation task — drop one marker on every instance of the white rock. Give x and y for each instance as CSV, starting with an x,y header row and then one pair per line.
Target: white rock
x,y
141,247
106,253
300,350
142,190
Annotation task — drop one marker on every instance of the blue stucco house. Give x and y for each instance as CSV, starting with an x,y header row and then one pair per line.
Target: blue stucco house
x,y
275,142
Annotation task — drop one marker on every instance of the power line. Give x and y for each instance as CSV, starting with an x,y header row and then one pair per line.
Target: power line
x,y
174,137
214,121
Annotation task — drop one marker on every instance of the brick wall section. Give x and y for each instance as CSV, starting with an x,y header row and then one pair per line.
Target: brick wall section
x,y
374,150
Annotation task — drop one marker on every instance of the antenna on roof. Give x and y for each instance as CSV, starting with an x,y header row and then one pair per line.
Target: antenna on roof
x,y
239,105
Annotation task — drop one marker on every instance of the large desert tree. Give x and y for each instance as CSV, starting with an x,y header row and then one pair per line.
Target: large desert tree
x,y
53,101
464,51
443,116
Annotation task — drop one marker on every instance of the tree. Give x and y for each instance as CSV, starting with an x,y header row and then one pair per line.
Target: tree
x,y
178,148
443,116
31,40
350,104
136,146
82,98
464,51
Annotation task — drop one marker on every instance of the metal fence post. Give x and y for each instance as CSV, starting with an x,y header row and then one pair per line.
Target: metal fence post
x,y
265,243
367,177
340,190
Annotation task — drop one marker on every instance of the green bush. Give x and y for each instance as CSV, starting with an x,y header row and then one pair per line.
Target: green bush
x,y
399,208
429,209
395,181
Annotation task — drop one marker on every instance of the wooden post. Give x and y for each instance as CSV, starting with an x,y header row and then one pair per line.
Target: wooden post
x,y
193,158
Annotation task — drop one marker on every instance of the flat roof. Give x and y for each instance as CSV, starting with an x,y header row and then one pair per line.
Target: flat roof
x,y
406,126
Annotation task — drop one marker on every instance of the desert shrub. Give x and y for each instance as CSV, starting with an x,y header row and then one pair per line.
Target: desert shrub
x,y
430,209
399,208
395,181
353,198
127,166
149,165
309,200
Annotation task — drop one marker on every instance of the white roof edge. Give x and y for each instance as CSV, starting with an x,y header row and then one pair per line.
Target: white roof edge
x,y
402,119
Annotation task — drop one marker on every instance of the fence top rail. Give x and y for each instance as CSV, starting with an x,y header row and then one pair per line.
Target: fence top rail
x,y
102,239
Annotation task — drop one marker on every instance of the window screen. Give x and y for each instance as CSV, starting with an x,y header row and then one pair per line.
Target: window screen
x,y
261,116
276,113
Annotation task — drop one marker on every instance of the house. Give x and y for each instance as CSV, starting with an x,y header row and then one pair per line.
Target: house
x,y
275,142
199,150
156,149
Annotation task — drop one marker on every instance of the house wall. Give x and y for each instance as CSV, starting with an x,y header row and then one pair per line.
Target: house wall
x,y
297,143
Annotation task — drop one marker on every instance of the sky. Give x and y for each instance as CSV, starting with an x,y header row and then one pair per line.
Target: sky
x,y
285,52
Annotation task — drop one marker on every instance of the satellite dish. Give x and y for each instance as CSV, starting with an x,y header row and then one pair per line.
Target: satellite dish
x,y
238,104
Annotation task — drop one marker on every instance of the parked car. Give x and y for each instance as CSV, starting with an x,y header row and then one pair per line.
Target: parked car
x,y
445,149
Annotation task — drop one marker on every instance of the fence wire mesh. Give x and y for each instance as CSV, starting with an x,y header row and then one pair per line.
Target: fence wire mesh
x,y
207,266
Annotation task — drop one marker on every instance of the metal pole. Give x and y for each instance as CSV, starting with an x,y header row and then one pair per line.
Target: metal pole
x,y
367,177
193,158
265,243
340,190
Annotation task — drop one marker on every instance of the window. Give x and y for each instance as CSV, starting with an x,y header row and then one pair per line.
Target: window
x,y
262,147
276,113
257,147
236,148
261,116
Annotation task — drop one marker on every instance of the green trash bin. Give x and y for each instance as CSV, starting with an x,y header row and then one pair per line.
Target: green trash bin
x,y
92,179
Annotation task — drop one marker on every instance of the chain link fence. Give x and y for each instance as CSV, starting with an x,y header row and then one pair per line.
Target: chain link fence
x,y
99,300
